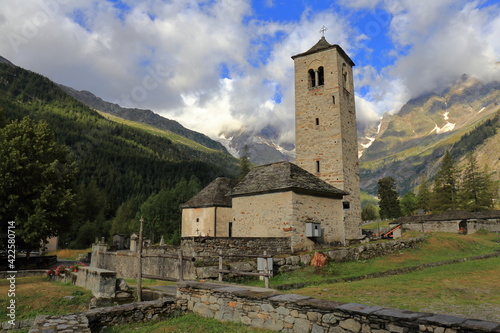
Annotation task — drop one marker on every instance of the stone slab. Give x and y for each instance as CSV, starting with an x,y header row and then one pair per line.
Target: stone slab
x,y
288,298
481,325
443,320
400,314
360,308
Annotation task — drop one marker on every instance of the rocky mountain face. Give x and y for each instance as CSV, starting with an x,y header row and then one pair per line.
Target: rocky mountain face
x,y
411,143
261,148
143,116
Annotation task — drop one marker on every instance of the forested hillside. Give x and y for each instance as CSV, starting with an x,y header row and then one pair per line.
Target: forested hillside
x,y
116,163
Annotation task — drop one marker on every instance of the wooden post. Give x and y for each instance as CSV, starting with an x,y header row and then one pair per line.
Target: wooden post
x,y
220,265
139,269
266,271
181,266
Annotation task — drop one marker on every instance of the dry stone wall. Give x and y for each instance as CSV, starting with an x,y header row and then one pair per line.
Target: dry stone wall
x,y
265,308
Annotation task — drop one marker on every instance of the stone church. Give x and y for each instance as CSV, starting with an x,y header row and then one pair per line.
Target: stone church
x,y
316,200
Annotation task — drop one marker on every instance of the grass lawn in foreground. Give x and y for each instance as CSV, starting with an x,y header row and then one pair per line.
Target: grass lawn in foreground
x,y
37,295
470,289
190,323
436,247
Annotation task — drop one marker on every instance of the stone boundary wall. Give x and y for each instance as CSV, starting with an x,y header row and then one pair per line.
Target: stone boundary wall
x,y
292,262
125,264
206,249
473,225
96,319
265,308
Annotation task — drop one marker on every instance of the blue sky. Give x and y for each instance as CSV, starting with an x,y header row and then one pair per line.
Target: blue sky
x,y
222,66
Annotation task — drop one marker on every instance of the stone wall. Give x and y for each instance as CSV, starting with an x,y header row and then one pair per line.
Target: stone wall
x,y
206,249
265,308
472,225
96,319
125,263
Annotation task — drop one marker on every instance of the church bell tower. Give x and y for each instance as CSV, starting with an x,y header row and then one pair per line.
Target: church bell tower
x,y
325,124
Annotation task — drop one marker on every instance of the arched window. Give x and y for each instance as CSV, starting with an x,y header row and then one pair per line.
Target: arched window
x,y
321,76
312,78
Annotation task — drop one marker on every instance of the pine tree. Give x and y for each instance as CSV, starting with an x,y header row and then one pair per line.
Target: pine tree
x,y
477,189
389,201
445,192
424,195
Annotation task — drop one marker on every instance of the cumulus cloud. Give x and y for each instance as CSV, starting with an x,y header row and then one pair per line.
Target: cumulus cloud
x,y
435,42
215,67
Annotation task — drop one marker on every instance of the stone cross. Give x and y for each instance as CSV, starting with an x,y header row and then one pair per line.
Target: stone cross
x,y
322,30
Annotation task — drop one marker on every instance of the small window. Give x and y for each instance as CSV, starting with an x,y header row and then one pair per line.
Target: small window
x,y
312,79
317,167
344,73
230,229
321,76
333,99
317,121
346,205
197,219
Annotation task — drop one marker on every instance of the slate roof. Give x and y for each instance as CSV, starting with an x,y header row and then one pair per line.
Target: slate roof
x,y
284,176
322,45
213,195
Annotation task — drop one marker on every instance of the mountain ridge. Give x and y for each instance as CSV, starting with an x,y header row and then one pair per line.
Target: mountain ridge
x,y
142,116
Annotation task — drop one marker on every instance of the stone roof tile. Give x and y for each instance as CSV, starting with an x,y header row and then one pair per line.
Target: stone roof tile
x,y
284,176
213,195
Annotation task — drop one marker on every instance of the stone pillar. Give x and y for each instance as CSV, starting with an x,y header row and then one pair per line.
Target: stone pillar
x,y
97,254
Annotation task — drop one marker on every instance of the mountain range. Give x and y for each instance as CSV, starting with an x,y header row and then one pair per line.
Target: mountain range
x,y
404,145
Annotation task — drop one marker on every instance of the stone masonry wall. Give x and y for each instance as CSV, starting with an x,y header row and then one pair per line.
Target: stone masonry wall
x,y
206,249
96,319
265,308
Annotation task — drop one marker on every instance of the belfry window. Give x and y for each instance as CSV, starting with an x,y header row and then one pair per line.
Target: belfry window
x,y
312,78
321,76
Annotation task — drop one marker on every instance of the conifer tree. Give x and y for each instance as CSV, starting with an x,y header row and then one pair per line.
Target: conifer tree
x,y
445,192
389,201
477,189
424,195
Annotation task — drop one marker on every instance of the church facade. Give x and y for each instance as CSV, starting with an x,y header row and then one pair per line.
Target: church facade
x,y
316,200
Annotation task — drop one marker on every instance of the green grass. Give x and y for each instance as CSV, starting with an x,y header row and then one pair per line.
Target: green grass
x,y
436,247
38,295
190,323
468,289
156,131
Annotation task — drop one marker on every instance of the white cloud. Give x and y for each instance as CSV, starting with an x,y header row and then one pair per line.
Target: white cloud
x,y
169,56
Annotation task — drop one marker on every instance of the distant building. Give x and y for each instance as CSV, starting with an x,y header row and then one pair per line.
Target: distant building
x,y
318,199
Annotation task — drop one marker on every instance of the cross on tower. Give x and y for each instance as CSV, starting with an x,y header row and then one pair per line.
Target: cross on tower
x,y
322,30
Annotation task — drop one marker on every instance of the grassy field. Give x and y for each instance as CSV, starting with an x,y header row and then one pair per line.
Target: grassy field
x,y
67,254
436,247
38,295
469,289
190,323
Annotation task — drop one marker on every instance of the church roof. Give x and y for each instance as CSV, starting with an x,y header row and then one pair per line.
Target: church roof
x,y
322,45
284,176
213,195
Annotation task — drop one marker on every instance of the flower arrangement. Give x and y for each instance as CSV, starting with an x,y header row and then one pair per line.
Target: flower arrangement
x,y
63,271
